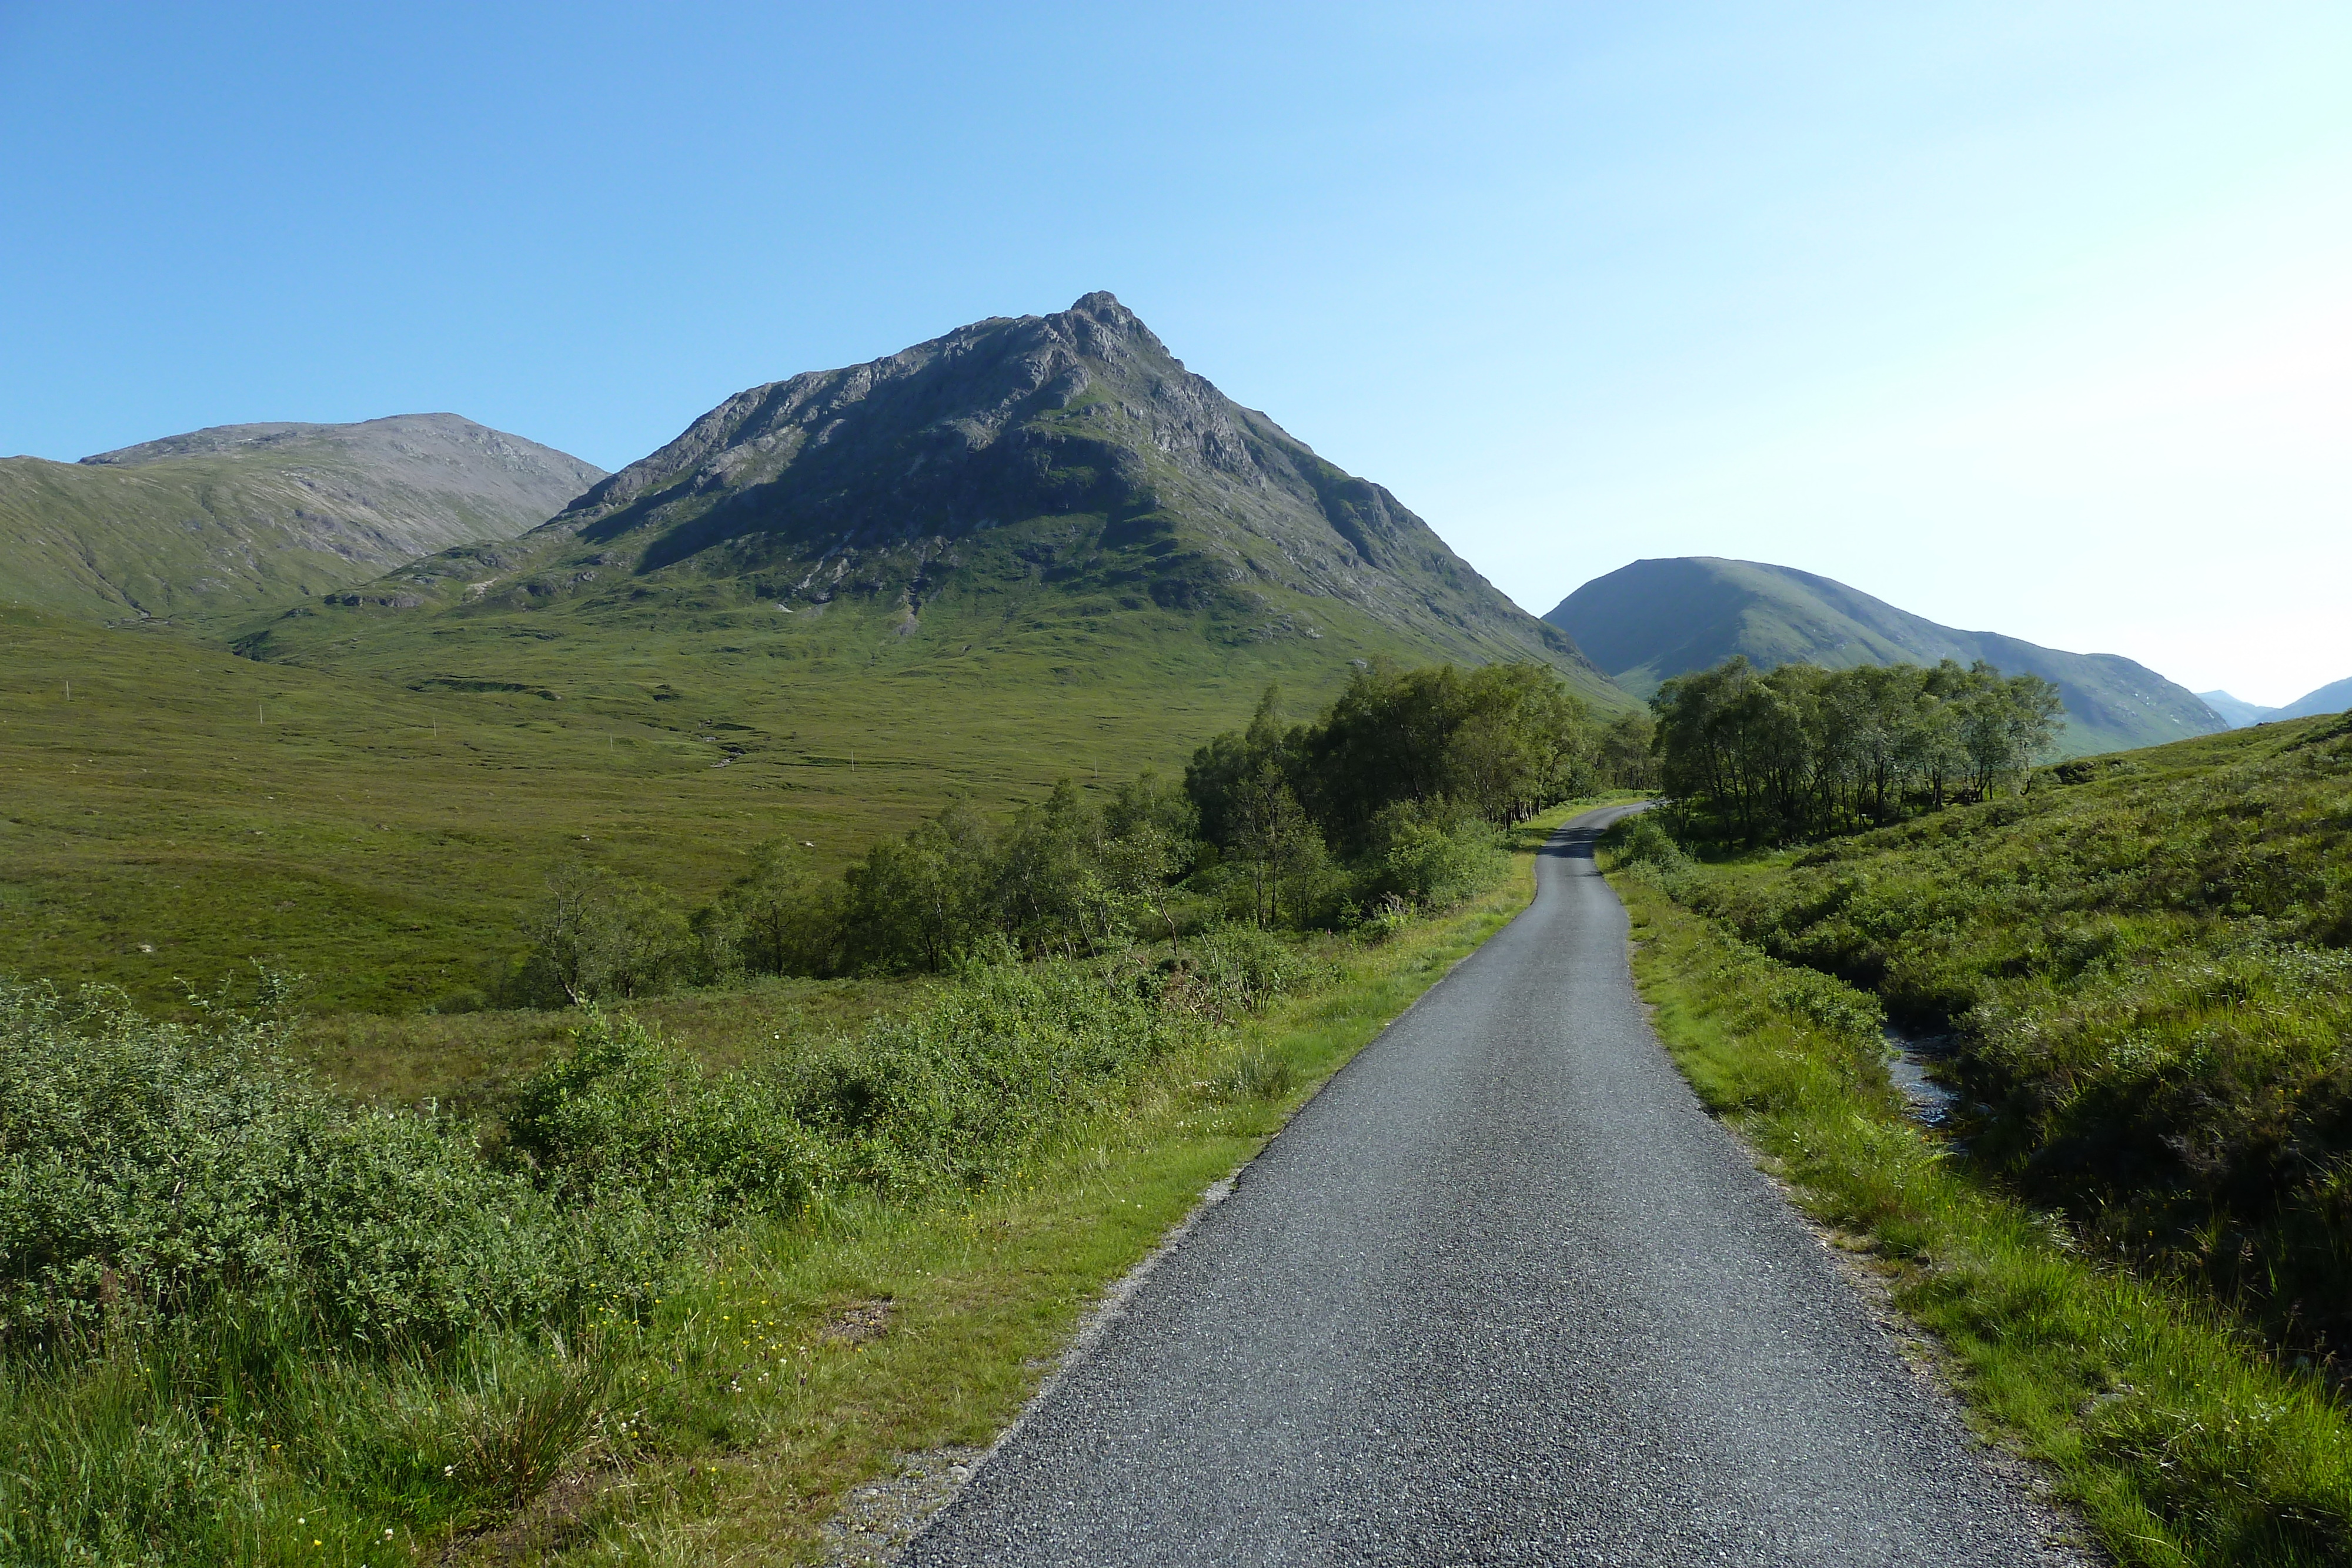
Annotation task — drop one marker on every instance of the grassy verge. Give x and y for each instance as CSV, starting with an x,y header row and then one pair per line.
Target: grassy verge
x,y
2179,1436
709,1406
982,1295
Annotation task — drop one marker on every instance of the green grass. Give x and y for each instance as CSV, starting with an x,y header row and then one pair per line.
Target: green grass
x,y
2144,973
2179,1434
724,1420
474,1059
327,818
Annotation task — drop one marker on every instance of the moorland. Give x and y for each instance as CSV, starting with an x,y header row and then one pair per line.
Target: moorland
x,y
583,1026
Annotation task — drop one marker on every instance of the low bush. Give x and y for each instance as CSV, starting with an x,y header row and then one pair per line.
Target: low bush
x,y
956,1090
621,1115
155,1167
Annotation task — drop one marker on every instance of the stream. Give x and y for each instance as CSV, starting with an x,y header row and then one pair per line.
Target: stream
x,y
1911,1059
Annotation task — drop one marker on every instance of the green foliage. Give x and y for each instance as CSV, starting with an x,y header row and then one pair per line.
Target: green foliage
x,y
1431,854
1803,750
598,936
2147,979
949,1094
147,1167
1624,757
1397,792
2182,1441
778,918
1643,840
623,1117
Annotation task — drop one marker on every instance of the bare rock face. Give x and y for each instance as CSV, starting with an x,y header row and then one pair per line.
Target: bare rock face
x,y
1073,442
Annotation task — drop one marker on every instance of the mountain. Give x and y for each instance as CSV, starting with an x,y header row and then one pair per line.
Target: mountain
x,y
2331,698
1653,619
240,514
1058,464
2239,713
1052,484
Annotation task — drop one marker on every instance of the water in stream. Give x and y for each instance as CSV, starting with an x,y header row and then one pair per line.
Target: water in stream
x,y
1910,1060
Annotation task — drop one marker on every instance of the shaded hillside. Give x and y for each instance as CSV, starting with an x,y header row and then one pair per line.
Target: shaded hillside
x,y
243,515
2332,698
1647,622
1058,479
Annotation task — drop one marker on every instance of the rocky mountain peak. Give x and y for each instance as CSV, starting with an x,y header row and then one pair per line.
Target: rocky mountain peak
x,y
1072,443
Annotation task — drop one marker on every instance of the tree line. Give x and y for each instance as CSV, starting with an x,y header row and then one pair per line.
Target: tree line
x,y
1393,798
1801,751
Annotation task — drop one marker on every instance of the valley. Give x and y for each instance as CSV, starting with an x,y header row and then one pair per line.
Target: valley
x,y
919,1018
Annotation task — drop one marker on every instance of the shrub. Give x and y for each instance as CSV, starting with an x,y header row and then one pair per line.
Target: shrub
x,y
948,1093
1433,855
1643,840
621,1115
155,1165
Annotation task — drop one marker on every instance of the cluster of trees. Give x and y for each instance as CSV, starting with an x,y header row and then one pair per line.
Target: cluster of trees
x,y
1396,792
1394,796
1802,750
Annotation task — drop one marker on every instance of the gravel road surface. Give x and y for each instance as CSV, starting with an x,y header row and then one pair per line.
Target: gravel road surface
x,y
1503,1292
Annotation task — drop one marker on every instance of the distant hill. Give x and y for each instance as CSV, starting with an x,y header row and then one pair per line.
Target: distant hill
x,y
1647,622
2237,712
239,515
2331,698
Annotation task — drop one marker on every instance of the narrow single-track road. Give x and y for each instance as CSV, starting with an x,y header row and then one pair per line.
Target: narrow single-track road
x,y
1503,1292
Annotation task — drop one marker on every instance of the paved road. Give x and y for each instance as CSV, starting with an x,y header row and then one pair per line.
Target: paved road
x,y
1501,1293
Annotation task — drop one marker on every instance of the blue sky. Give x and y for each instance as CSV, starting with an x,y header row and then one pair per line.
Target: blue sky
x,y
2028,317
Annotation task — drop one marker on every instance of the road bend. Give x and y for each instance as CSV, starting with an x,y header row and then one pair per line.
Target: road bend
x,y
1502,1292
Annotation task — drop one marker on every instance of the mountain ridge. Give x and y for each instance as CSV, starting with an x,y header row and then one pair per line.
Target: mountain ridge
x,y
2237,711
1655,619
233,516
2332,697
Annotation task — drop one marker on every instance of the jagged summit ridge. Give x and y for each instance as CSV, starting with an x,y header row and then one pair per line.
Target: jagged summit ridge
x,y
1072,447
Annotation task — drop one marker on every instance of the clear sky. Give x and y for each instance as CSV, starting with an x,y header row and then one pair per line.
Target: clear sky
x,y
2034,317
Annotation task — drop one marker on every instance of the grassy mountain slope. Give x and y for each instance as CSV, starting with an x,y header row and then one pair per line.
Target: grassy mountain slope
x,y
1054,490
1654,619
226,518
2143,965
2332,698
